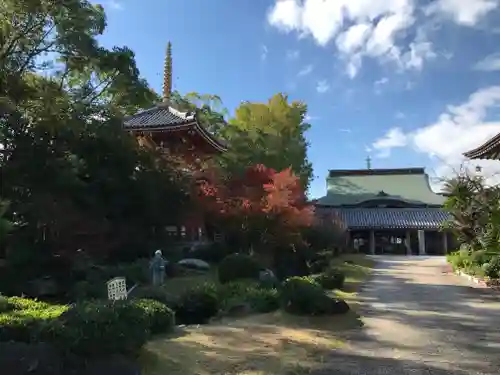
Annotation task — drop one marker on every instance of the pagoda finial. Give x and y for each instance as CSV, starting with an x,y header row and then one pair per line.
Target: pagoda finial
x,y
167,74
368,162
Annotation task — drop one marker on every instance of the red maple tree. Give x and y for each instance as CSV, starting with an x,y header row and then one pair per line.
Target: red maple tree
x,y
262,207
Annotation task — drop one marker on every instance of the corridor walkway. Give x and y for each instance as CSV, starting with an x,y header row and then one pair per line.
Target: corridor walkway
x,y
420,319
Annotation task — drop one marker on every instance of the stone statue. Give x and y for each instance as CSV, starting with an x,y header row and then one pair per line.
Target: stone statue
x,y
157,267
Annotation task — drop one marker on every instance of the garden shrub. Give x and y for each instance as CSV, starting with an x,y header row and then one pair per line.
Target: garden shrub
x,y
319,265
156,293
101,328
238,266
492,268
161,318
83,290
302,295
5,306
259,299
25,319
197,305
332,278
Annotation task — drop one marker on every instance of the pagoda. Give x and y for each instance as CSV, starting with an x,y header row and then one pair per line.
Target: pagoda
x,y
387,211
489,150
175,132
181,137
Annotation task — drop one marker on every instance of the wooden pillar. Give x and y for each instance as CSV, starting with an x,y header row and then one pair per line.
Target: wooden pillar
x,y
445,242
421,242
408,242
372,242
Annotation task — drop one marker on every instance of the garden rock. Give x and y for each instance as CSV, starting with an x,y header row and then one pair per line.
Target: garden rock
x,y
339,306
268,278
194,263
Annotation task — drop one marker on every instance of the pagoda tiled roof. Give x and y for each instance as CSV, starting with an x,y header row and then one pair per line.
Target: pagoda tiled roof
x,y
488,150
160,116
164,117
391,218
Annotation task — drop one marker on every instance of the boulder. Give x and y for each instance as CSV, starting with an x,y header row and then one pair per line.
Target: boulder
x,y
268,278
194,263
339,306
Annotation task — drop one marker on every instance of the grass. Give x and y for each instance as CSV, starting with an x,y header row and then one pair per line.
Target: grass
x,y
266,344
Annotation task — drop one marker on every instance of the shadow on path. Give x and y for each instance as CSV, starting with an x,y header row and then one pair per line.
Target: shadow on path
x,y
419,319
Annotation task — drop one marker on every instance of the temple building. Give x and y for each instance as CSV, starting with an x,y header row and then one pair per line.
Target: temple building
x,y
388,211
489,150
179,135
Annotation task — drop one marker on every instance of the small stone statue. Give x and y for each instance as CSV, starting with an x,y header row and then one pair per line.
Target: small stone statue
x,y
157,267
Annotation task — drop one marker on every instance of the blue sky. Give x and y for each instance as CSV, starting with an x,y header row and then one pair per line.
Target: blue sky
x,y
408,82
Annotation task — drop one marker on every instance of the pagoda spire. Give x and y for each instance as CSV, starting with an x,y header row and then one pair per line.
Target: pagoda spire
x,y
167,74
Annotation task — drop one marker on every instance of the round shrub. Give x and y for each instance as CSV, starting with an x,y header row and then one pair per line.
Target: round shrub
x,y
302,295
5,306
197,305
331,279
160,317
492,268
156,293
238,266
258,298
102,328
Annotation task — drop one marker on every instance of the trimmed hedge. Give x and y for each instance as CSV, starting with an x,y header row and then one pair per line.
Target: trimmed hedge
x,y
90,329
303,296
197,305
331,279
161,318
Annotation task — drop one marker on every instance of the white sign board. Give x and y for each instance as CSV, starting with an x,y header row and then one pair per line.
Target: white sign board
x,y
117,289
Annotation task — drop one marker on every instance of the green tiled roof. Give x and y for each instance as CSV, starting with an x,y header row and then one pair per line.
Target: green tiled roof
x,y
352,187
392,218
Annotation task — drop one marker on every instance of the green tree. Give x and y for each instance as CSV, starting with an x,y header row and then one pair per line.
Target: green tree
x,y
73,178
272,134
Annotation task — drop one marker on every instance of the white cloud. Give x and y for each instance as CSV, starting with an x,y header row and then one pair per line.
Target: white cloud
x,y
392,139
463,12
311,118
292,54
322,86
399,115
489,63
263,52
386,30
305,70
114,4
458,129
345,130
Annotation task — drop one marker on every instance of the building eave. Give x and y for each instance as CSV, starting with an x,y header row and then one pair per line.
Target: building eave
x,y
488,150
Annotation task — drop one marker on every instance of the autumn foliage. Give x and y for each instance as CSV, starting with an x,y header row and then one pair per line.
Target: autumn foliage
x,y
261,205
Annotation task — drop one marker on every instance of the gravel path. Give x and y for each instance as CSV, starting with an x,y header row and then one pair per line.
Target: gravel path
x,y
420,319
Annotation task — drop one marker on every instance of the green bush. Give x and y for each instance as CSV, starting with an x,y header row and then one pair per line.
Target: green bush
x,y
331,279
492,268
160,317
238,266
101,329
259,299
26,319
5,306
156,293
83,290
302,295
197,305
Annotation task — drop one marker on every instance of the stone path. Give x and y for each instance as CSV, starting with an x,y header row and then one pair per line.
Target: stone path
x,y
420,319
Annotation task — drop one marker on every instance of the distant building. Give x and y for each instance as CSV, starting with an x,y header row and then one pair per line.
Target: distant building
x,y
387,211
489,150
